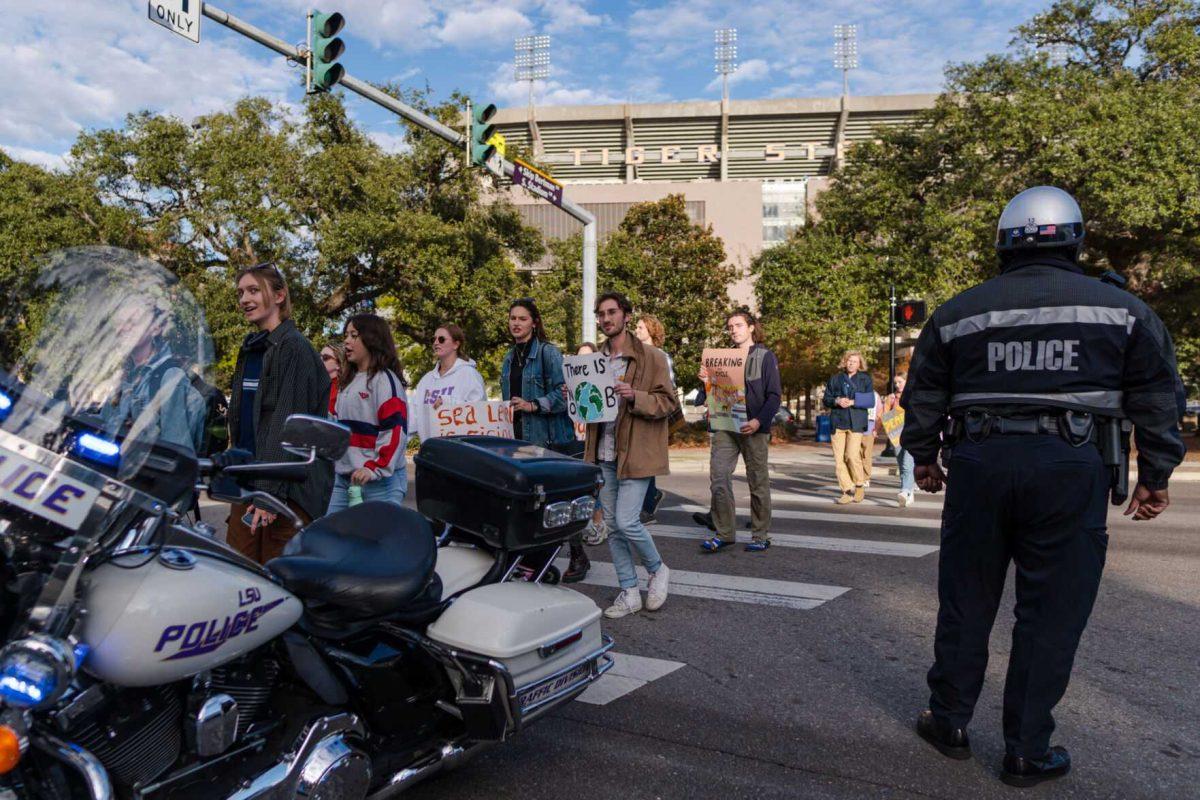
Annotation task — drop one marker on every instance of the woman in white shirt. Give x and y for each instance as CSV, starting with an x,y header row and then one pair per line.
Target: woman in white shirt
x,y
454,380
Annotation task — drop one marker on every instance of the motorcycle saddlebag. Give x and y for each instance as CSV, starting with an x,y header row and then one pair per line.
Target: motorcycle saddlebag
x,y
512,494
547,638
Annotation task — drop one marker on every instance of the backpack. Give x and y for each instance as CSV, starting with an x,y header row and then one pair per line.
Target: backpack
x,y
207,409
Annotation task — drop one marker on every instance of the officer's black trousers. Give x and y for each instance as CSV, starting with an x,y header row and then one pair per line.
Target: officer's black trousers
x,y
1041,503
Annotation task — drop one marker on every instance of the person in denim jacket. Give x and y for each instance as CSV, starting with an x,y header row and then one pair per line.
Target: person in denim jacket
x,y
531,380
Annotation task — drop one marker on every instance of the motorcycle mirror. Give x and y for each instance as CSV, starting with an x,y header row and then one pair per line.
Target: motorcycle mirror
x,y
304,433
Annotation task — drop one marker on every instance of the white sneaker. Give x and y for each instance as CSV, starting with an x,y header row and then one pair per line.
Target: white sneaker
x,y
595,533
903,499
629,601
867,483
657,594
912,498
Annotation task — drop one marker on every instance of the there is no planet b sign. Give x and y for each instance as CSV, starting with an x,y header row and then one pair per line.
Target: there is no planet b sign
x,y
591,388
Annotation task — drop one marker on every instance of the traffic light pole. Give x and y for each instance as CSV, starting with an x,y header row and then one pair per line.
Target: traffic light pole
x,y
422,120
888,449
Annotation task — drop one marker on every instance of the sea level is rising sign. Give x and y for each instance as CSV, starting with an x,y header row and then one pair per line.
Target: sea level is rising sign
x,y
538,183
181,16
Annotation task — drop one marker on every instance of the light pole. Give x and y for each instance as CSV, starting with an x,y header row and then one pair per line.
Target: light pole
x,y
725,57
531,61
888,449
845,52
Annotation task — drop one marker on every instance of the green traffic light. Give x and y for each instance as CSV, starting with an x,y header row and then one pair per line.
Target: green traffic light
x,y
326,49
481,132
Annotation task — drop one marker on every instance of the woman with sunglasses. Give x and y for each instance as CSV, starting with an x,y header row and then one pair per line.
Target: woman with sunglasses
x,y
454,380
278,373
333,358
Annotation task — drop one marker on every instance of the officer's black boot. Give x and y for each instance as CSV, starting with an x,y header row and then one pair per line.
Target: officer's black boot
x,y
950,742
1025,772
577,570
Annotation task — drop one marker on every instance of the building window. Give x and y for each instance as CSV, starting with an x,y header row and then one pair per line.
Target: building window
x,y
783,205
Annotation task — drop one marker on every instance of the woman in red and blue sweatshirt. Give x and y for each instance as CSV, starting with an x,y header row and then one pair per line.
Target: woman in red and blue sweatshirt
x,y
372,405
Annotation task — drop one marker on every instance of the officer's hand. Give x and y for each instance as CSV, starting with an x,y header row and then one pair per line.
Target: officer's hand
x,y
930,477
1147,503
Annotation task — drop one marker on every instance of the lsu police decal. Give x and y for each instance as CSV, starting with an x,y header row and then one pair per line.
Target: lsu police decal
x,y
205,636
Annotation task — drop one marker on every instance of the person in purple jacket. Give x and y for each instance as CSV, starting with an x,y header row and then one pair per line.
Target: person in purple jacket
x,y
763,396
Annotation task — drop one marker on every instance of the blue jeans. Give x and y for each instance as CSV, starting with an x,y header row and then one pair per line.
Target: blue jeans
x,y
390,489
622,501
906,463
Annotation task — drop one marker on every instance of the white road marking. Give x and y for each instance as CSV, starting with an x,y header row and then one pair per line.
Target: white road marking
x,y
861,546
627,674
817,516
733,588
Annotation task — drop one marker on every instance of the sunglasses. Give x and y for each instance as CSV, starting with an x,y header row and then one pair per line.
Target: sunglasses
x,y
440,340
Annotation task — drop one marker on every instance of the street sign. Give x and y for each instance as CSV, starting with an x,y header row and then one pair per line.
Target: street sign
x,y
181,16
538,183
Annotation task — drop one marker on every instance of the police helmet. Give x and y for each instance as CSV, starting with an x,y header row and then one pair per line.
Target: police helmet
x,y
1040,217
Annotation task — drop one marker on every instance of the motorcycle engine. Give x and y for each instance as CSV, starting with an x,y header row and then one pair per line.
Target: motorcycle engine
x,y
136,733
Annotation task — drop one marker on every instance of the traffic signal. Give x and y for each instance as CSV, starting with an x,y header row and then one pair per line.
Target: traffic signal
x,y
327,47
482,147
910,313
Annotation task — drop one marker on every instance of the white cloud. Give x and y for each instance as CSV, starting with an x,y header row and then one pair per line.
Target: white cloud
x,y
567,17
92,63
390,142
486,25
753,70
403,23
40,157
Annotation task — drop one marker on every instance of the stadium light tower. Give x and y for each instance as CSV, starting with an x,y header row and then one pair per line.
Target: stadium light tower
x,y
845,52
725,56
532,61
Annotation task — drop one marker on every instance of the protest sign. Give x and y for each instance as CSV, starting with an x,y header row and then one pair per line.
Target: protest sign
x,y
893,424
726,388
480,418
591,388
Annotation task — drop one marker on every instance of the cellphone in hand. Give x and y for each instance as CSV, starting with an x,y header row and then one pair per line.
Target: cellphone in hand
x,y
248,519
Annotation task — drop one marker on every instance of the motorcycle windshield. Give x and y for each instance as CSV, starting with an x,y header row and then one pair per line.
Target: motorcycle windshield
x,y
109,342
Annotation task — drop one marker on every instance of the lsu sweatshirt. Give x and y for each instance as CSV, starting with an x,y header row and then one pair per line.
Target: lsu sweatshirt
x,y
462,384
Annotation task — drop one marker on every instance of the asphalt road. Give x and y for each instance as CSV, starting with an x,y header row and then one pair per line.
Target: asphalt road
x,y
796,690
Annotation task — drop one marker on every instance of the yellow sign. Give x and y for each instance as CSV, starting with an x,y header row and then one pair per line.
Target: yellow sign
x,y
499,141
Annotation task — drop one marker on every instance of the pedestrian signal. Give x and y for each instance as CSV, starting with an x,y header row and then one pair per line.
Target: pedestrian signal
x,y
910,313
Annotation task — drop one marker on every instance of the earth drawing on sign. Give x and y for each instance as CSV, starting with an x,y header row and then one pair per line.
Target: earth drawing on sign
x,y
589,401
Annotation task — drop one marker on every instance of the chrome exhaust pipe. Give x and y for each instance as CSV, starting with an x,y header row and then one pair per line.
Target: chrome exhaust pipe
x,y
448,756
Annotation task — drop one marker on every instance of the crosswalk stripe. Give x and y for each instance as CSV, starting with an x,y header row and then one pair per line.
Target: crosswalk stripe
x,y
836,544
848,517
628,673
734,588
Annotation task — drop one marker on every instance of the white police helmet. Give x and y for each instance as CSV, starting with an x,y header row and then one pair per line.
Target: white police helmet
x,y
1043,216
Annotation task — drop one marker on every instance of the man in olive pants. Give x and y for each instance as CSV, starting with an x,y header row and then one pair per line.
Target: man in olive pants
x,y
763,395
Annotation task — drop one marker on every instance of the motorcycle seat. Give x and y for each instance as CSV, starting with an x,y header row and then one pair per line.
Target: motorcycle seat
x,y
368,561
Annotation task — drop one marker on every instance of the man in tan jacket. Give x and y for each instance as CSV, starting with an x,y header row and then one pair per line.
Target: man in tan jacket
x,y
630,450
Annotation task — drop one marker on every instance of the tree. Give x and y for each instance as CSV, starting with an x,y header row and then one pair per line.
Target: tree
x,y
354,227
666,265
1114,126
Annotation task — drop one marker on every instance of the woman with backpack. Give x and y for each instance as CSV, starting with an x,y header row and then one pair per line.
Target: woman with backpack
x,y
372,404
278,373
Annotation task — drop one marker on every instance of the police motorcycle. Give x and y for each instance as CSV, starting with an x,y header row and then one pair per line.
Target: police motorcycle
x,y
143,658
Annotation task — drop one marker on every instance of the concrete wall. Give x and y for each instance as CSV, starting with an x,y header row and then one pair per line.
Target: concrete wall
x,y
734,208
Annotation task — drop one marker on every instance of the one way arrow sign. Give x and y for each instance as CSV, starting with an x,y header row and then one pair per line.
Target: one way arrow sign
x,y
181,16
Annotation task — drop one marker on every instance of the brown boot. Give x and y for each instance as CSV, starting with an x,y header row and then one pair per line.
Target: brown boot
x,y
860,493
845,500
577,570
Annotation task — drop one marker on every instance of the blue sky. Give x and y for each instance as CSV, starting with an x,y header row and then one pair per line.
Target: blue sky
x,y
85,64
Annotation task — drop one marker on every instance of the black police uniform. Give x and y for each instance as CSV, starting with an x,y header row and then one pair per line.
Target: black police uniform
x,y
1039,340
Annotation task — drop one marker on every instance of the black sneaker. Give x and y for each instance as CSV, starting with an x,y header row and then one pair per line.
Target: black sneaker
x,y
647,518
704,519
1026,772
950,742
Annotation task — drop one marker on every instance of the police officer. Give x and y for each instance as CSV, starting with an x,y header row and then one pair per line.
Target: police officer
x,y
1027,373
